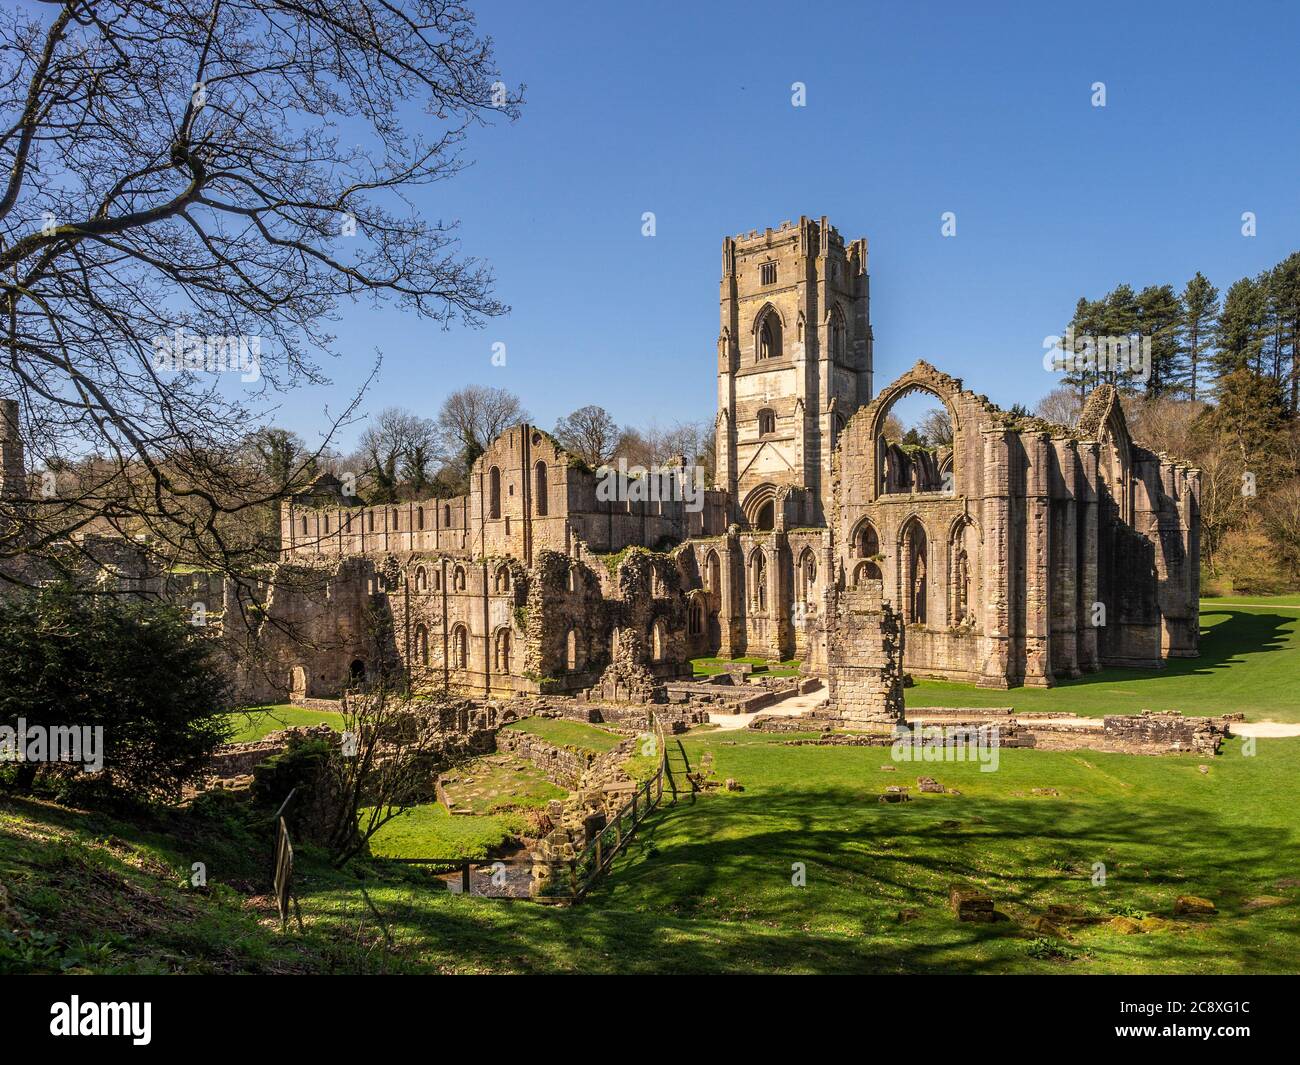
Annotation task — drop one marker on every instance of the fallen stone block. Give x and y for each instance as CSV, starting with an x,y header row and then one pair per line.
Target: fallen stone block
x,y
1194,904
971,904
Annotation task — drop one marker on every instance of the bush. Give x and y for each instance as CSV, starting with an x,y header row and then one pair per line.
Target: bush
x,y
140,672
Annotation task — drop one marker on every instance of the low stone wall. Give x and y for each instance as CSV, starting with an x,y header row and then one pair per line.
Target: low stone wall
x,y
238,759
1168,732
560,765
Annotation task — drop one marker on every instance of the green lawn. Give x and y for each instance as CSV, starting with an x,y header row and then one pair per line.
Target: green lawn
x,y
573,734
706,887
431,832
497,781
1249,663
707,667
253,724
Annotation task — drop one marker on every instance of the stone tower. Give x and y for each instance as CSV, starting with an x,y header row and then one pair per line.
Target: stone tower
x,y
13,475
794,362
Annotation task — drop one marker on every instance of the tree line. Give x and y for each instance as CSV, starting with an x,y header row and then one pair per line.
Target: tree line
x,y
1196,338
1223,395
401,455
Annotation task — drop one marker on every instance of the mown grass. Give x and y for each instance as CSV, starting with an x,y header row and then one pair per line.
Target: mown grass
x,y
707,667
431,832
707,887
1249,663
572,734
257,722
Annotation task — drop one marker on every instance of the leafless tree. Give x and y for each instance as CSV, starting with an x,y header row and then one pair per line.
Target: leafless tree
x,y
1061,406
401,450
180,219
590,433
936,426
473,417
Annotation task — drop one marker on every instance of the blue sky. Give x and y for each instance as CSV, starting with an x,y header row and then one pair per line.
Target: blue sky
x,y
912,110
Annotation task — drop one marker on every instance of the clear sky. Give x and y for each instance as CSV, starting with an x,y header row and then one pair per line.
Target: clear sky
x,y
913,109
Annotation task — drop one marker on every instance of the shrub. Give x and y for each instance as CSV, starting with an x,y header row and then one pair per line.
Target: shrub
x,y
139,671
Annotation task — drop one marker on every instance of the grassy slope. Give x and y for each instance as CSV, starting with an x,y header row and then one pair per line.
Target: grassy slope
x,y
249,725
572,734
706,887
1249,663
496,789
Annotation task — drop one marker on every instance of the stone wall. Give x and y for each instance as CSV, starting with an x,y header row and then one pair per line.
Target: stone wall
x,y
1163,732
561,765
865,673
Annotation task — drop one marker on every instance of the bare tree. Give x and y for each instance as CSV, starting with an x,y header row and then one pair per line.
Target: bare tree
x,y
1061,406
399,449
473,417
180,219
936,427
590,433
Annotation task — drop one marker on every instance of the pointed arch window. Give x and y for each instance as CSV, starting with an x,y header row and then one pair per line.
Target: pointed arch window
x,y
494,492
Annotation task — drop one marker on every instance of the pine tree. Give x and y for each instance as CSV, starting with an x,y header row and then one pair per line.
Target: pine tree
x,y
1160,314
1121,318
1284,290
1237,333
1088,321
1200,309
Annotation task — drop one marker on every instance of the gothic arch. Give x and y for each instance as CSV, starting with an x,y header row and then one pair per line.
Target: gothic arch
x,y
964,546
758,580
920,378
713,575
759,507
807,576
769,334
494,492
837,331
865,540
914,570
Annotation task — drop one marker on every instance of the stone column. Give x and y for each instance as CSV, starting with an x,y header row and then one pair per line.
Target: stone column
x,y
1065,573
1038,569
997,558
1089,659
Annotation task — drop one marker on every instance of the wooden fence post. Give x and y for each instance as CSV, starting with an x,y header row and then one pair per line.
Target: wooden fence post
x,y
464,877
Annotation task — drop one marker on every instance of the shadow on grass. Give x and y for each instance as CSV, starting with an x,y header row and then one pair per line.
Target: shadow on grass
x,y
1223,647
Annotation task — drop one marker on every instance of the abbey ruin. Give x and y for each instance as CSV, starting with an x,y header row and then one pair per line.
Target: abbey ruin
x,y
1022,553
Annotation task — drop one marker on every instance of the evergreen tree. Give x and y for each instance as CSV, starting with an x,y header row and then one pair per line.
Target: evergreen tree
x,y
1284,291
1237,333
1160,314
1200,310
1122,318
1089,321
